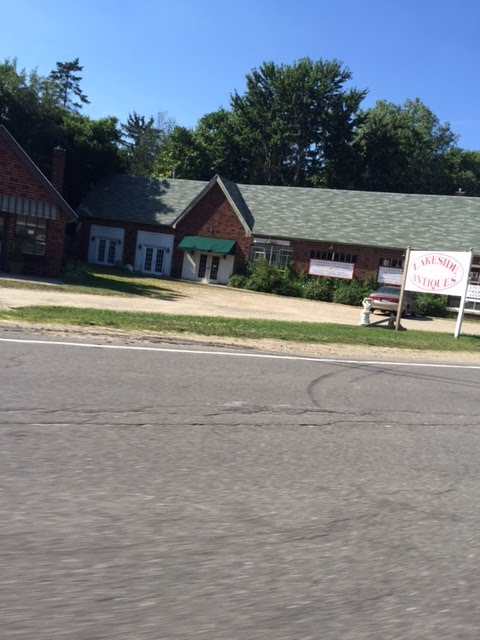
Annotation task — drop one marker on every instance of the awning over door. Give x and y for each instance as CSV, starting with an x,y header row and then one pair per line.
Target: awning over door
x,y
209,245
28,207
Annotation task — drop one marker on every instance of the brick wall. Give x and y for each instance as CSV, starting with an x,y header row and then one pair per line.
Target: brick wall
x,y
17,179
212,217
367,261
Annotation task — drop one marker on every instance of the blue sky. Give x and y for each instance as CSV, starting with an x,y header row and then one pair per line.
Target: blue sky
x,y
186,57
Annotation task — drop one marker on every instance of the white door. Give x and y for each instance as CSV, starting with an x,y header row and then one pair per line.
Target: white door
x,y
105,253
153,260
208,267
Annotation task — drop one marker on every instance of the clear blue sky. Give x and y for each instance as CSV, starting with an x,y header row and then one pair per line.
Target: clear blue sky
x,y
187,56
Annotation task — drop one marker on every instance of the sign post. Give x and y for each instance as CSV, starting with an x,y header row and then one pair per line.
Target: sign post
x,y
402,290
461,310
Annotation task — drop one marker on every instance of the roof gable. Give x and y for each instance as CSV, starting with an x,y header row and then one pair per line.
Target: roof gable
x,y
233,196
25,159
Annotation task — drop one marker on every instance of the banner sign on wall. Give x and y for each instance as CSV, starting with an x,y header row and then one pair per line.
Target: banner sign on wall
x,y
389,275
330,269
440,272
473,292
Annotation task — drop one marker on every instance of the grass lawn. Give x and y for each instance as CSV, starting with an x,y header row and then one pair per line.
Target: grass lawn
x,y
253,329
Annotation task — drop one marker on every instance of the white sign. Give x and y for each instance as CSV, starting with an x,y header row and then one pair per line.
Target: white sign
x,y
440,272
473,292
330,269
389,275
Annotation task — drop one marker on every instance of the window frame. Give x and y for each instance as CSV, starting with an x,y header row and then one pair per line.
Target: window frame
x,y
35,243
391,263
333,256
277,255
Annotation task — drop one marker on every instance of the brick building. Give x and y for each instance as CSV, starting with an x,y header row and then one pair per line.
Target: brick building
x,y
205,231
33,214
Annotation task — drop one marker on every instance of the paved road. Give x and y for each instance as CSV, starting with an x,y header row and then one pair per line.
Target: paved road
x,y
149,494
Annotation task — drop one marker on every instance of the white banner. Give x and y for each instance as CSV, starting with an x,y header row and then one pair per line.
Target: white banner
x,y
440,272
473,292
389,275
330,269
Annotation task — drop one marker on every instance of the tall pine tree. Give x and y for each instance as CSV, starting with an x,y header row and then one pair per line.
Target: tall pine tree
x,y
66,85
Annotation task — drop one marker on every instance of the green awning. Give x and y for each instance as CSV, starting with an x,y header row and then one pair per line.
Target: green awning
x,y
210,245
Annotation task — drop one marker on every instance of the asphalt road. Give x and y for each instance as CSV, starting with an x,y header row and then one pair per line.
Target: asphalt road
x,y
161,494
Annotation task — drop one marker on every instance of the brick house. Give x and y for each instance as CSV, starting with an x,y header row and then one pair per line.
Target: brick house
x,y
33,214
205,231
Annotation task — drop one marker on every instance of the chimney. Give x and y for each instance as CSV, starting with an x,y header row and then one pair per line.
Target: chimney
x,y
58,168
459,192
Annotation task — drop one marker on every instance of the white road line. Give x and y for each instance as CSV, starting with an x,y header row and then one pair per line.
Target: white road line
x,y
234,354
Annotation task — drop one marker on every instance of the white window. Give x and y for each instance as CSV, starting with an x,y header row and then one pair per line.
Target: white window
x,y
273,254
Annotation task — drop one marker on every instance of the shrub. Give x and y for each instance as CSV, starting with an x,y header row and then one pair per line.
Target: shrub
x,y
265,277
238,281
288,288
318,289
432,305
268,278
371,284
350,292
76,271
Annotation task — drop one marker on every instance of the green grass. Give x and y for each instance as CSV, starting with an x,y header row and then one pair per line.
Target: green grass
x,y
253,329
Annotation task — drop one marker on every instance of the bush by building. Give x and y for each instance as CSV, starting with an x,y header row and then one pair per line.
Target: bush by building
x,y
268,278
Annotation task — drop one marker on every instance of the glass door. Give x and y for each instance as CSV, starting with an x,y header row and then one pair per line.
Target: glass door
x,y
153,260
215,263
202,266
208,266
106,251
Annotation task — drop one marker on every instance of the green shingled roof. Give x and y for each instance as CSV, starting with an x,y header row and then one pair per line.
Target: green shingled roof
x,y
366,218
327,215
142,200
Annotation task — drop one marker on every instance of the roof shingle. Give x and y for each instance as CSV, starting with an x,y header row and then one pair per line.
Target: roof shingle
x,y
344,217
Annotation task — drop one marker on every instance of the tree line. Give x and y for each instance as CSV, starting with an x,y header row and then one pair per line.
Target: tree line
x,y
300,124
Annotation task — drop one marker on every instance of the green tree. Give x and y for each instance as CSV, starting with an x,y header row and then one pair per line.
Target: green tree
x,y
463,171
93,151
30,111
141,139
219,135
297,120
66,82
183,156
403,148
